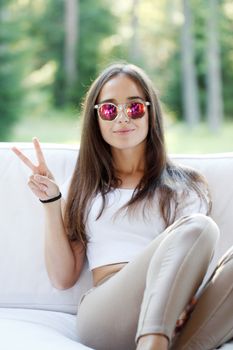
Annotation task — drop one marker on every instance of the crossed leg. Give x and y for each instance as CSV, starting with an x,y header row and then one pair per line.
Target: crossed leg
x,y
211,323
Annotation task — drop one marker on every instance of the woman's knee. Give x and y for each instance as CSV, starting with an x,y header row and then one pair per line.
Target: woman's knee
x,y
204,226
198,234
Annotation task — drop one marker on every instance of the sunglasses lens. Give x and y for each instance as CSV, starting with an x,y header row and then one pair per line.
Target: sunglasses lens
x,y
135,110
108,111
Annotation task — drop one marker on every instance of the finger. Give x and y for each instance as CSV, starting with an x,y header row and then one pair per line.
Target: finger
x,y
39,186
35,178
191,305
34,184
47,185
179,323
42,179
24,159
183,315
37,191
39,153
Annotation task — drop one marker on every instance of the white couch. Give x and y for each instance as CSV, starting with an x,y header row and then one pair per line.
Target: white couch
x,y
33,314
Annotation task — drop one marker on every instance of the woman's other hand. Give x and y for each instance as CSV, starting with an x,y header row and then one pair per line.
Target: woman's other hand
x,y
185,316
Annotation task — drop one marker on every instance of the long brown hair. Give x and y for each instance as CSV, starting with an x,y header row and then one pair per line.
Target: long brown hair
x,y
94,171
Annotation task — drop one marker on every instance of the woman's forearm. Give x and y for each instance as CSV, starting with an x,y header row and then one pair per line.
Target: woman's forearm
x,y
59,256
64,260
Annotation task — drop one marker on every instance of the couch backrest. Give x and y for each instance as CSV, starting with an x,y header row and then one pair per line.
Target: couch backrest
x,y
23,275
218,169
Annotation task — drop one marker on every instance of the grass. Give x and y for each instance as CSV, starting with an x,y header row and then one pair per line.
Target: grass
x,y
64,127
180,139
57,127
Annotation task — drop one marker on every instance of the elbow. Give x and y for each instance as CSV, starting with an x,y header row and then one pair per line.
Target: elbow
x,y
65,282
62,285
63,279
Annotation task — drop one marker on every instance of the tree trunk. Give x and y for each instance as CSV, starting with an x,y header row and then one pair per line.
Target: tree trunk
x,y
71,40
189,80
214,85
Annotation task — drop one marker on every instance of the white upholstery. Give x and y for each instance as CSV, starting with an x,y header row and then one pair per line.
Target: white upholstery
x,y
33,314
218,169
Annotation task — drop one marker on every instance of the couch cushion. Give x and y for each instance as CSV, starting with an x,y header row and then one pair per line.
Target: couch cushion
x,y
42,330
37,330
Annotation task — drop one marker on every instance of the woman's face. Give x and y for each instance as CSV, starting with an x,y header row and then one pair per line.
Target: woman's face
x,y
123,132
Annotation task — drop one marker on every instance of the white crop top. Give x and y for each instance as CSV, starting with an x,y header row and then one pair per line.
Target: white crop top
x,y
115,238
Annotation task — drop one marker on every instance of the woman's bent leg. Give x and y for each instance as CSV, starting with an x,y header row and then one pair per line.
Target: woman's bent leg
x,y
175,273
169,271
211,323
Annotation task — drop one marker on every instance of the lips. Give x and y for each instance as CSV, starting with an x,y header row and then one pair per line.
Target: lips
x,y
123,131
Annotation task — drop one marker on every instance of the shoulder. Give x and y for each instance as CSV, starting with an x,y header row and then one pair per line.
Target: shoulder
x,y
190,188
181,172
181,179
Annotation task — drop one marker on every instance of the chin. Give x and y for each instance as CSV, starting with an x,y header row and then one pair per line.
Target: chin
x,y
125,146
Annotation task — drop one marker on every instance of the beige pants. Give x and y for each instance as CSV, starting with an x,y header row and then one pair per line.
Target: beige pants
x,y
149,293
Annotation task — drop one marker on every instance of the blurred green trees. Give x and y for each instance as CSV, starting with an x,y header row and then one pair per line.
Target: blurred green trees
x,y
51,50
11,67
213,61
95,22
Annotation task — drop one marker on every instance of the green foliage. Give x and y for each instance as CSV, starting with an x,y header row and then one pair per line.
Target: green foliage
x,y
226,27
47,29
32,51
172,91
11,63
199,32
172,68
96,24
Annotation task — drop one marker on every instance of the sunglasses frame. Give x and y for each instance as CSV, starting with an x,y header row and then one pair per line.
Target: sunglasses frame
x,y
120,107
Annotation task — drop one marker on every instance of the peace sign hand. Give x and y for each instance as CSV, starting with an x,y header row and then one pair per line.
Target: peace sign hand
x,y
41,182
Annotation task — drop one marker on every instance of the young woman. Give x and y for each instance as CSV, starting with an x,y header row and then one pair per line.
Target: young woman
x,y
141,220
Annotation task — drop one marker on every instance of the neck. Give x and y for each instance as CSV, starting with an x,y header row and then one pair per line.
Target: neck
x,y
129,161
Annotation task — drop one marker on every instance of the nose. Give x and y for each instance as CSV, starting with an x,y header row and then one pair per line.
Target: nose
x,y
122,116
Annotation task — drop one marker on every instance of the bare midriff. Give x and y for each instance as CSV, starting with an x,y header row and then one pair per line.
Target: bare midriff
x,y
102,272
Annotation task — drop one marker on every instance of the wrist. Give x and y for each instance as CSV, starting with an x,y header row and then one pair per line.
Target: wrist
x,y
51,200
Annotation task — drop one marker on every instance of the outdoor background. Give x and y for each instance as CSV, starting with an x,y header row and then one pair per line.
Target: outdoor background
x,y
51,50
